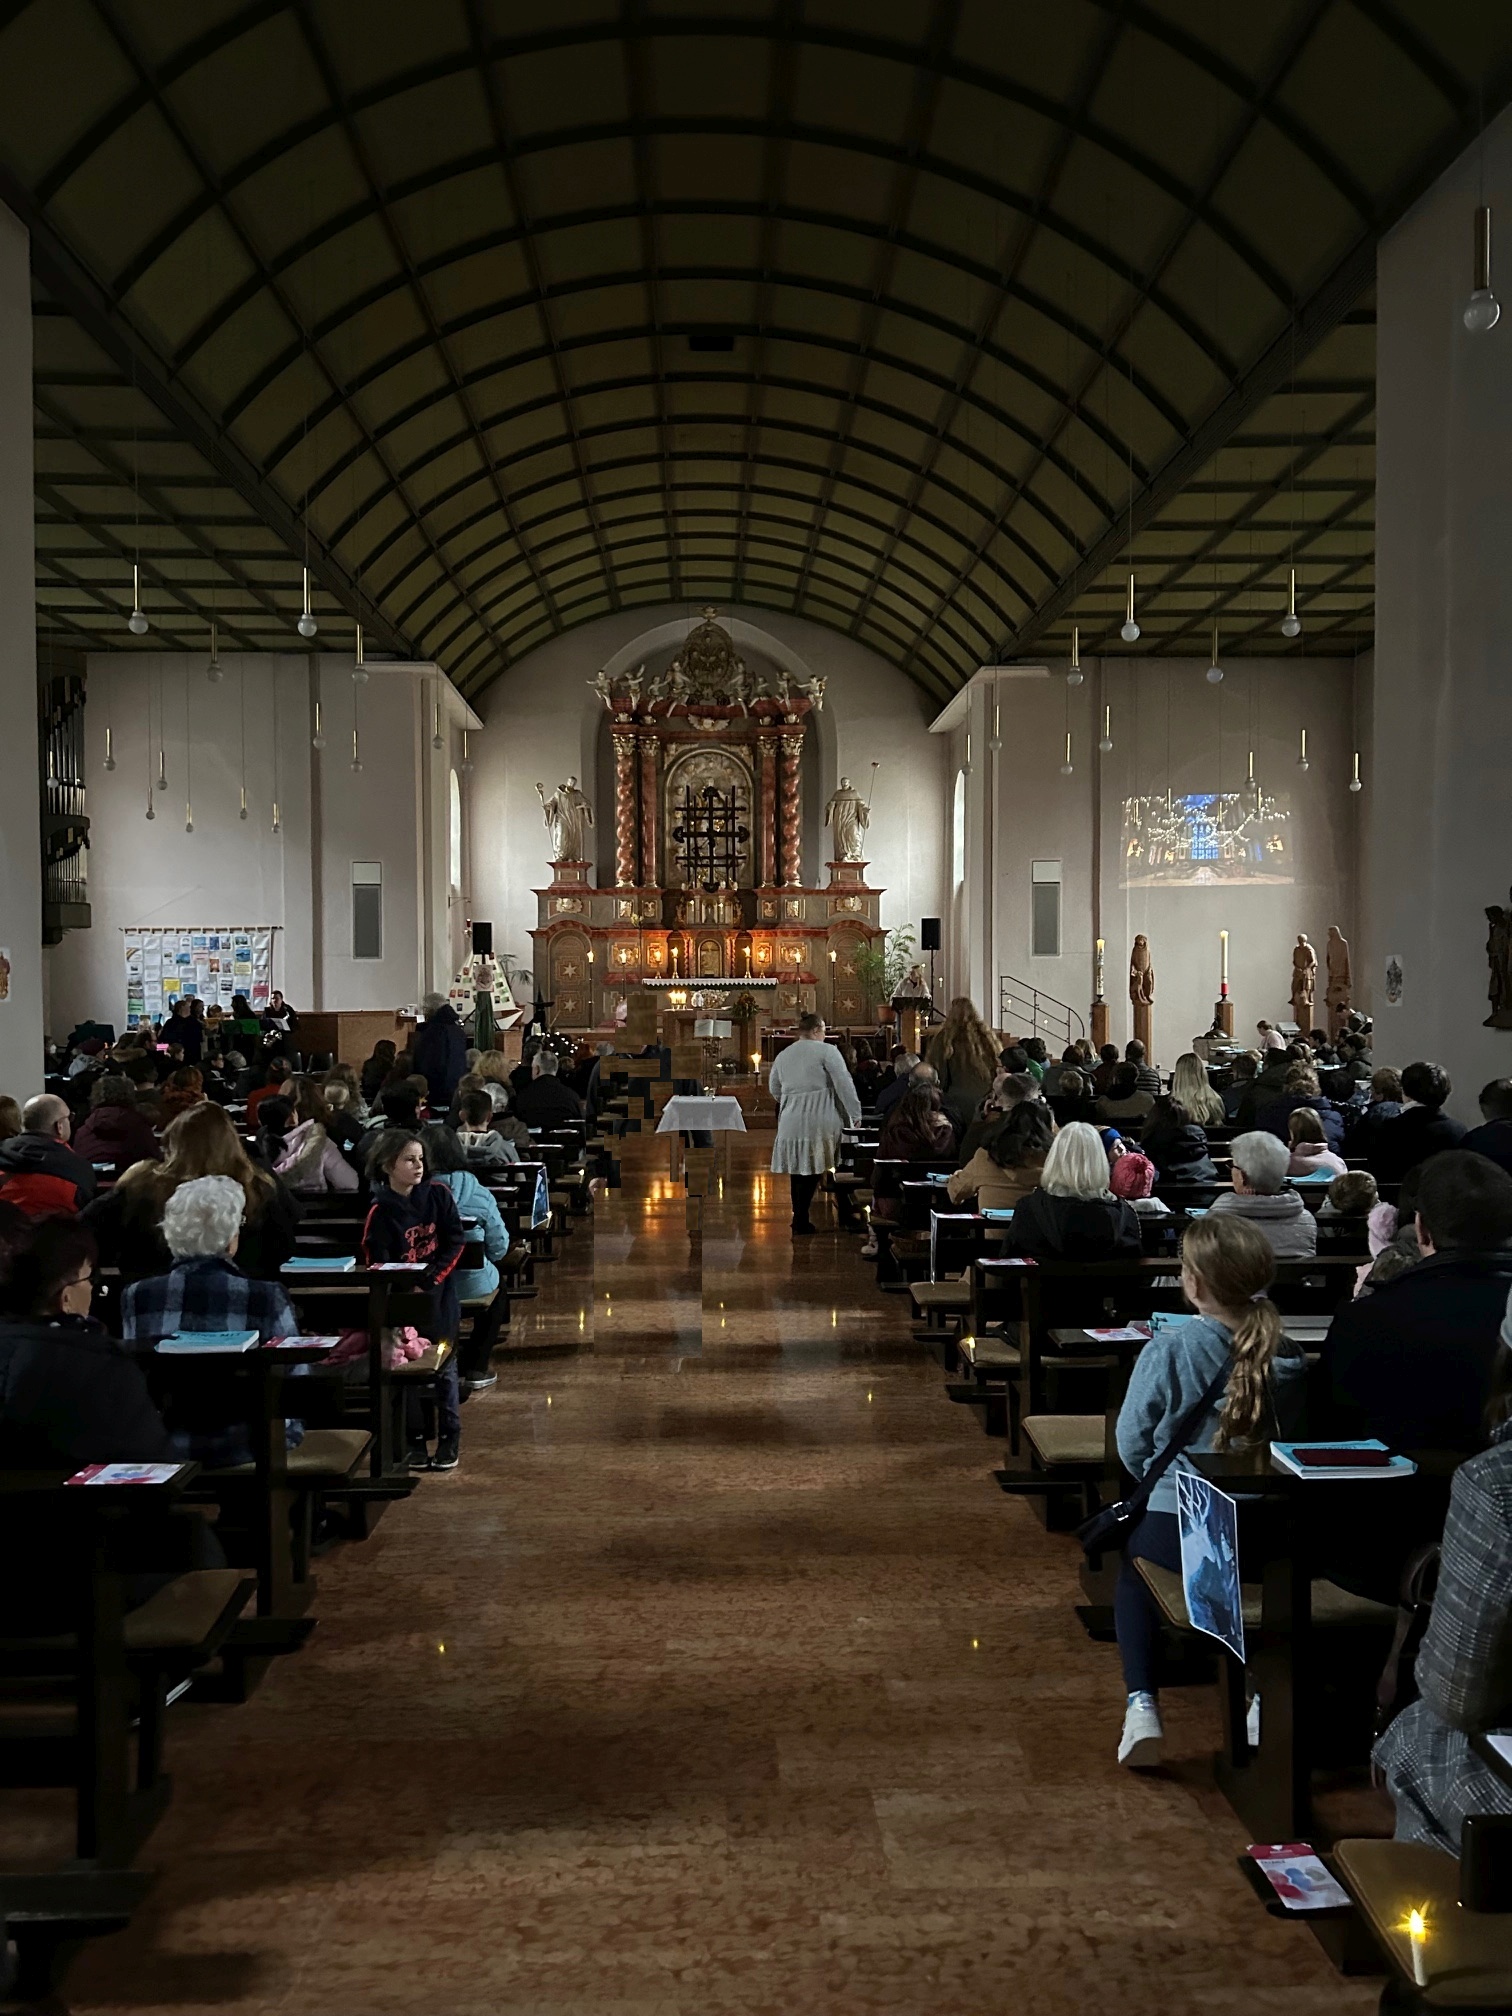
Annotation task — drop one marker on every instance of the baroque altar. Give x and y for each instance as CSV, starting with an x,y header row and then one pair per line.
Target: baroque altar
x,y
708,878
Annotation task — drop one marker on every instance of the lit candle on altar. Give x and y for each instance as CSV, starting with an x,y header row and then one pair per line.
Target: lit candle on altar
x,y
1223,959
1417,1932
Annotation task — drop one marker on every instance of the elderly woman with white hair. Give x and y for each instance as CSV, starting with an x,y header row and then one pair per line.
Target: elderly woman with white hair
x,y
1073,1215
1262,1194
205,1289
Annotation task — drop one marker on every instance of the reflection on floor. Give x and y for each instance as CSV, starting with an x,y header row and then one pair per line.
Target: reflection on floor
x,y
719,1678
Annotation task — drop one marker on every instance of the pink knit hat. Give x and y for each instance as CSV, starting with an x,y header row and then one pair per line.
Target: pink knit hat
x,y
1132,1175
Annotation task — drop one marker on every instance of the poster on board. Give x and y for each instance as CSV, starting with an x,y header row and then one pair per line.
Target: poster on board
x,y
212,964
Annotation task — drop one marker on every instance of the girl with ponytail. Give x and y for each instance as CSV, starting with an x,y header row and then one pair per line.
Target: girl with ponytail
x,y
1223,1379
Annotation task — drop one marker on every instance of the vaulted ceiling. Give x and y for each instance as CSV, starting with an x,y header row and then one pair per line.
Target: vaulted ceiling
x,y
926,319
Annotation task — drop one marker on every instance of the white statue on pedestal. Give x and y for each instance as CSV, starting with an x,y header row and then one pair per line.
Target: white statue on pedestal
x,y
568,817
849,815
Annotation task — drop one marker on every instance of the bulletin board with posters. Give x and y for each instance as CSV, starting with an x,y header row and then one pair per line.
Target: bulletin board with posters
x,y
212,963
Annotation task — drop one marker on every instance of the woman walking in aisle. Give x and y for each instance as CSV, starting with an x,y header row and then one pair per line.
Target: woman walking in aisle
x,y
815,1099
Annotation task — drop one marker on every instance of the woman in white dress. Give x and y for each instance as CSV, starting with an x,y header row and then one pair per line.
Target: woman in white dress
x,y
815,1099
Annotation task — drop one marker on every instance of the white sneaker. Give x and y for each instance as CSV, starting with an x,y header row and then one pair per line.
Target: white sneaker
x,y
1252,1724
1143,1735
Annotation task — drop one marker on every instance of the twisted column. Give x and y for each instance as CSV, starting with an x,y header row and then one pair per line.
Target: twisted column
x,y
792,810
650,876
624,810
766,810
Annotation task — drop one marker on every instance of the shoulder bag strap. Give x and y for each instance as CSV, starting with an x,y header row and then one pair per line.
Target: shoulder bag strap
x,y
1186,1428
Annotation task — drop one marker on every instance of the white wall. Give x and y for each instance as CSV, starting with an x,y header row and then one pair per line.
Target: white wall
x,y
543,720
1169,727
230,871
20,856
1440,830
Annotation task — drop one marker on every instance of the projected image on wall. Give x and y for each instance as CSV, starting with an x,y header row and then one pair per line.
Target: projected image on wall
x,y
1206,837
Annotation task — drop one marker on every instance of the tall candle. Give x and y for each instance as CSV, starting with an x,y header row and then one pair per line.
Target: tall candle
x,y
1223,957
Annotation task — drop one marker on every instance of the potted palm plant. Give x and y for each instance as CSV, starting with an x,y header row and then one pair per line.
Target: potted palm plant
x,y
881,964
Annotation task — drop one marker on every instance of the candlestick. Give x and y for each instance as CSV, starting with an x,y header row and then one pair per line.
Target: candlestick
x,y
1223,958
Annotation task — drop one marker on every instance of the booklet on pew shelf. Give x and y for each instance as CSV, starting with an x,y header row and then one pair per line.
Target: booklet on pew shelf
x,y
125,1473
1340,1459
302,1343
997,1214
1122,1333
320,1263
189,1343
398,1267
1299,1879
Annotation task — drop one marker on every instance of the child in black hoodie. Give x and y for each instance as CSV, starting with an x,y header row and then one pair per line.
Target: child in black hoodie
x,y
414,1219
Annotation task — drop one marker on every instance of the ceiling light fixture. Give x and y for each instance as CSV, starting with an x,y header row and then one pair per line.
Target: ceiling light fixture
x,y
1068,766
1302,762
1130,630
307,626
1291,622
356,753
1107,734
467,765
1482,310
436,741
1215,670
359,670
213,669
136,622
994,742
1354,782
1074,674
317,740
109,749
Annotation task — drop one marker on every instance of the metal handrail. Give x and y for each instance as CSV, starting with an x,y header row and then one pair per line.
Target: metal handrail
x,y
1047,1016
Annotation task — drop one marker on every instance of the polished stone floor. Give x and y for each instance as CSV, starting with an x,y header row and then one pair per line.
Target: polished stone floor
x,y
720,1678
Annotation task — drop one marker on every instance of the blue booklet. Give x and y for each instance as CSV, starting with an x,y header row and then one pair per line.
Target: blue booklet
x,y
998,1213
1341,1459
320,1263
192,1342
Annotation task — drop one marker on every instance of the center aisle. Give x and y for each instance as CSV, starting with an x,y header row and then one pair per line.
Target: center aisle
x,y
719,1678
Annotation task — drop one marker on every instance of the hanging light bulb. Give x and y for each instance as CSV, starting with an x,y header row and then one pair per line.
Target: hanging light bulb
x,y
1291,622
243,812
151,814
1074,673
1106,743
1302,762
307,626
436,741
467,765
317,740
356,754
994,741
277,822
1215,670
359,670
109,749
1130,630
1483,310
1354,782
162,776
1251,777
136,622
1068,766
188,816
213,669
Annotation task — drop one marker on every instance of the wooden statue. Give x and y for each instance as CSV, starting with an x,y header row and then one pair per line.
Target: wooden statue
x,y
1142,994
1304,982
1340,980
1499,958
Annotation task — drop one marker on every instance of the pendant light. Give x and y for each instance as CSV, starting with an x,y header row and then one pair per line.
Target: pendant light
x,y
1354,782
994,741
1068,766
109,763
356,753
1215,670
1483,310
213,669
1291,622
1302,762
436,741
136,622
1106,743
242,696
1130,630
317,740
307,626
359,670
1251,777
188,760
1074,673
109,727
467,765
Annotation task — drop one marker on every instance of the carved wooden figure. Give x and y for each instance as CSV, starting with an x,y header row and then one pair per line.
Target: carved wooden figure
x,y
1142,993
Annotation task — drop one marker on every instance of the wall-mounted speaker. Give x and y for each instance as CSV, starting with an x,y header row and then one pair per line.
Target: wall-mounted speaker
x,y
482,941
929,934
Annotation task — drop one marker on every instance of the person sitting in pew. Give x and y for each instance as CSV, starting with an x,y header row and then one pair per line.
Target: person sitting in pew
x,y
1421,1129
39,1172
1176,1144
1232,1353
483,1146
1003,1172
1308,1143
1464,1667
298,1148
1124,1104
1412,1362
1132,1175
1260,1194
917,1129
547,1101
1072,1099
1072,1214
277,1073
1241,1078
115,1129
1391,1235
1299,1090
1493,1138
1009,1090
1191,1085
904,1063
487,1247
69,1394
415,1219
1352,1195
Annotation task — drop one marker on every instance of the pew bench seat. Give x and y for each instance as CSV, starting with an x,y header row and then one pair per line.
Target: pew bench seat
x,y
990,1354
1333,1608
1067,1441
941,1298
188,1614
1467,1955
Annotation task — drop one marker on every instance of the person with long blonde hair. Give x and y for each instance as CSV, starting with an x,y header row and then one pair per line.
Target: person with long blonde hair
x,y
965,1059
1191,1086
1223,1379
127,1221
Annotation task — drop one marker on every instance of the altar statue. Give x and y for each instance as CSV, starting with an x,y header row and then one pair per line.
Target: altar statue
x,y
1142,994
603,685
568,816
1340,980
849,815
1499,959
1304,982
